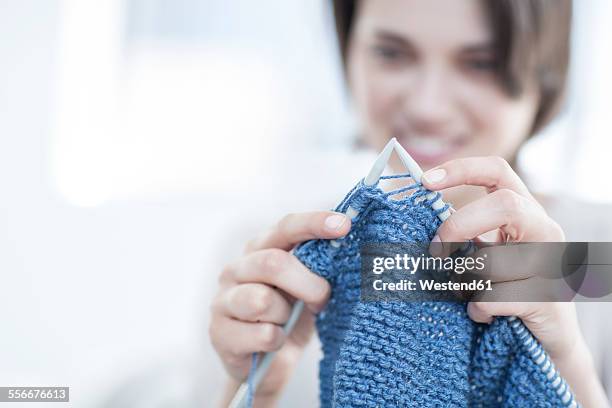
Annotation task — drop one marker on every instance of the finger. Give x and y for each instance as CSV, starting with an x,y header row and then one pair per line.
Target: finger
x,y
534,289
521,261
230,336
484,312
283,270
254,302
296,228
501,264
491,172
503,209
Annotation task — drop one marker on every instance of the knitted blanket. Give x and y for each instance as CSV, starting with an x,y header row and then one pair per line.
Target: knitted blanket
x,y
416,354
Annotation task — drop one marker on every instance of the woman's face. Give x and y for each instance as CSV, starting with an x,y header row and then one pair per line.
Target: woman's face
x,y
423,71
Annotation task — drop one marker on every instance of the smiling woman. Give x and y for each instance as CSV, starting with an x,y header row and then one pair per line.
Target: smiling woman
x,y
489,79
461,85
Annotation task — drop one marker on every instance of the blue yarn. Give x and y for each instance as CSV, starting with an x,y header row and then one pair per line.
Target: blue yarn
x,y
417,354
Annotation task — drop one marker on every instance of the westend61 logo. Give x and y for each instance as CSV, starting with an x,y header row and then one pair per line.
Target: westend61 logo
x,y
412,264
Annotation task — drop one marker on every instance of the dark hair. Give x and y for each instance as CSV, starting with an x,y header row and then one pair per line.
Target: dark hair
x,y
531,38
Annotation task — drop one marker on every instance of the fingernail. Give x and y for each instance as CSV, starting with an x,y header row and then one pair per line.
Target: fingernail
x,y
435,247
335,222
434,176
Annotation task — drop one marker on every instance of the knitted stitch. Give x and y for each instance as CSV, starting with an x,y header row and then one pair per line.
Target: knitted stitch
x,y
425,354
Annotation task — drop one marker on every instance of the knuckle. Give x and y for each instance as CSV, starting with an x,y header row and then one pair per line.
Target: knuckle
x,y
559,311
461,164
460,167
480,307
286,359
214,306
272,261
226,273
284,223
251,245
213,334
320,294
269,336
324,293
511,202
451,229
557,230
500,164
260,300
233,359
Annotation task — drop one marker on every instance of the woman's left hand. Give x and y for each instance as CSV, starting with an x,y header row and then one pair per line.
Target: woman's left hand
x,y
512,212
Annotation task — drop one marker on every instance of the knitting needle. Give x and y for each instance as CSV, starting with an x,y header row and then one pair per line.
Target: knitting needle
x,y
417,174
374,175
240,398
372,178
379,165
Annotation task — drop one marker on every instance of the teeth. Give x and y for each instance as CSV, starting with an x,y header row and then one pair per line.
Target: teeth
x,y
427,145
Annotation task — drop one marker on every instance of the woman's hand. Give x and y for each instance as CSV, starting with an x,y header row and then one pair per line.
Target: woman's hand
x,y
255,296
514,215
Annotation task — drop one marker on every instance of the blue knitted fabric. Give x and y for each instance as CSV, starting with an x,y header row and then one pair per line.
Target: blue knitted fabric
x,y
416,354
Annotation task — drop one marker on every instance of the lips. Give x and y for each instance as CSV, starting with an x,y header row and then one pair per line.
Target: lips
x,y
430,150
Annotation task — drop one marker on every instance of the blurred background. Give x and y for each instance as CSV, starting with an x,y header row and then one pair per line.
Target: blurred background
x,y
141,141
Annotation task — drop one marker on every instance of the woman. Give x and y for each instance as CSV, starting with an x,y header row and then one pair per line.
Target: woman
x,y
462,85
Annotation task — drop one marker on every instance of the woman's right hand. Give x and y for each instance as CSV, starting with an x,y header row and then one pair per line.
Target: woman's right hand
x,y
255,296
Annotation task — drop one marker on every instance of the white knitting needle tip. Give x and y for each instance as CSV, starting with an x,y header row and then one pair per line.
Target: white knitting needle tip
x,y
379,165
413,168
373,176
417,174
